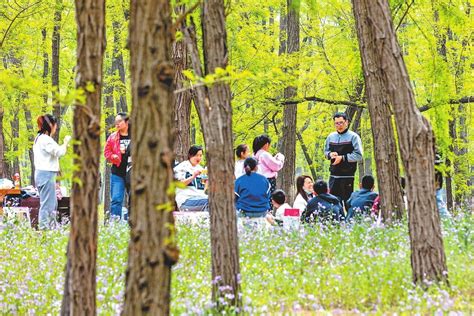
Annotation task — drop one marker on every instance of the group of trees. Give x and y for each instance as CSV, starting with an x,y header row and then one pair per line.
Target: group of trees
x,y
276,62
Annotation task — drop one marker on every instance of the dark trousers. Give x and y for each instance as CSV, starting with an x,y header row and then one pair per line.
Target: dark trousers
x,y
341,187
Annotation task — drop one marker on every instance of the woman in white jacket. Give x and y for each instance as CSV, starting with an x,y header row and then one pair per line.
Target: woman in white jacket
x,y
46,158
304,191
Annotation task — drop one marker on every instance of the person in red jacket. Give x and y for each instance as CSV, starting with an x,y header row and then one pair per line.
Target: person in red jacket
x,y
116,153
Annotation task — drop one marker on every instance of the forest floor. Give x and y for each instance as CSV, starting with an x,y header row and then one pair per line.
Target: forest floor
x,y
360,268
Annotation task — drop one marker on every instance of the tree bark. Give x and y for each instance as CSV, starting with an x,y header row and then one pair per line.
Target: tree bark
x,y
385,151
118,66
45,71
80,285
182,110
286,179
15,128
31,138
109,124
378,44
152,248
2,145
215,112
55,43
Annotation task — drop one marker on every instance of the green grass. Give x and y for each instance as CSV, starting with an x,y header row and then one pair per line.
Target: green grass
x,y
363,268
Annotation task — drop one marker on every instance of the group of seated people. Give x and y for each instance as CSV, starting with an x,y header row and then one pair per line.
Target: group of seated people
x,y
256,197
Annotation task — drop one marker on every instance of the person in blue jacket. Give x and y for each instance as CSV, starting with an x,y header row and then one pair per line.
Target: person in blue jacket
x,y
324,207
362,200
252,191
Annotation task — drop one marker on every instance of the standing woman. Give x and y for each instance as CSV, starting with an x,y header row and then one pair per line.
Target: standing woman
x,y
304,192
116,153
46,158
268,165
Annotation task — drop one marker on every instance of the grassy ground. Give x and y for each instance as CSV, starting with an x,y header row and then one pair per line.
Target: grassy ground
x,y
355,269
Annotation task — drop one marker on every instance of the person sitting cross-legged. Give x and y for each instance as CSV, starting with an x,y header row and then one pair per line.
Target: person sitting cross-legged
x,y
361,201
324,207
252,193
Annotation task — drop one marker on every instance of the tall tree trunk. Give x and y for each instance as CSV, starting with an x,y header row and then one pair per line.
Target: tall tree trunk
x,y
15,129
385,151
378,43
109,124
182,110
80,285
118,65
152,249
220,157
31,138
56,42
45,71
215,112
286,177
2,146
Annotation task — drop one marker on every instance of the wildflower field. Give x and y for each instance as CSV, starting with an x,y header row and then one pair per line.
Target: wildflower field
x,y
363,268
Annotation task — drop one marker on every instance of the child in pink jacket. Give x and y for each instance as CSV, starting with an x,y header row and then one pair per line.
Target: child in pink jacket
x,y
268,165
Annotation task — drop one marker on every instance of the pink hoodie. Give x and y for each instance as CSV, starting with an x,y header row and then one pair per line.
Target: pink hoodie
x,y
268,166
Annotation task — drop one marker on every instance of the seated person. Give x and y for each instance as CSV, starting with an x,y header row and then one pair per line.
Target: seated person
x,y
361,201
376,206
304,189
252,192
279,202
192,198
324,206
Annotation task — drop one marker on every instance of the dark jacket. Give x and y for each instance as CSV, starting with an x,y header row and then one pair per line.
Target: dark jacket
x,y
323,207
360,202
348,145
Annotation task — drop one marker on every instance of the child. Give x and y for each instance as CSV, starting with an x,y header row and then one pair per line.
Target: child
x,y
242,151
268,165
279,202
362,201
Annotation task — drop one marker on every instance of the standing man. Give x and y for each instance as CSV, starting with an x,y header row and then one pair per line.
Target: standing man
x,y
116,153
344,148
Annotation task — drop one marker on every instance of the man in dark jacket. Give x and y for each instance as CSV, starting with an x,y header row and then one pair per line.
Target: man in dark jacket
x,y
344,148
361,201
323,207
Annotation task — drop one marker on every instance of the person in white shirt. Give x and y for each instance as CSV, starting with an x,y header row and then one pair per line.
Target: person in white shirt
x,y
46,159
304,191
192,198
242,152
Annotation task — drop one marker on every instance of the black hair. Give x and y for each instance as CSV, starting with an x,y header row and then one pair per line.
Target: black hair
x,y
340,114
259,142
46,123
279,196
193,151
241,149
320,187
368,182
250,164
123,115
299,186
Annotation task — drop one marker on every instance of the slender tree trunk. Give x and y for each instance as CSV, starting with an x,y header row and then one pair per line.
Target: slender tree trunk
x,y
15,129
286,177
31,138
109,124
45,71
2,146
56,42
215,112
80,285
182,110
307,156
385,151
220,157
118,65
152,248
378,43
